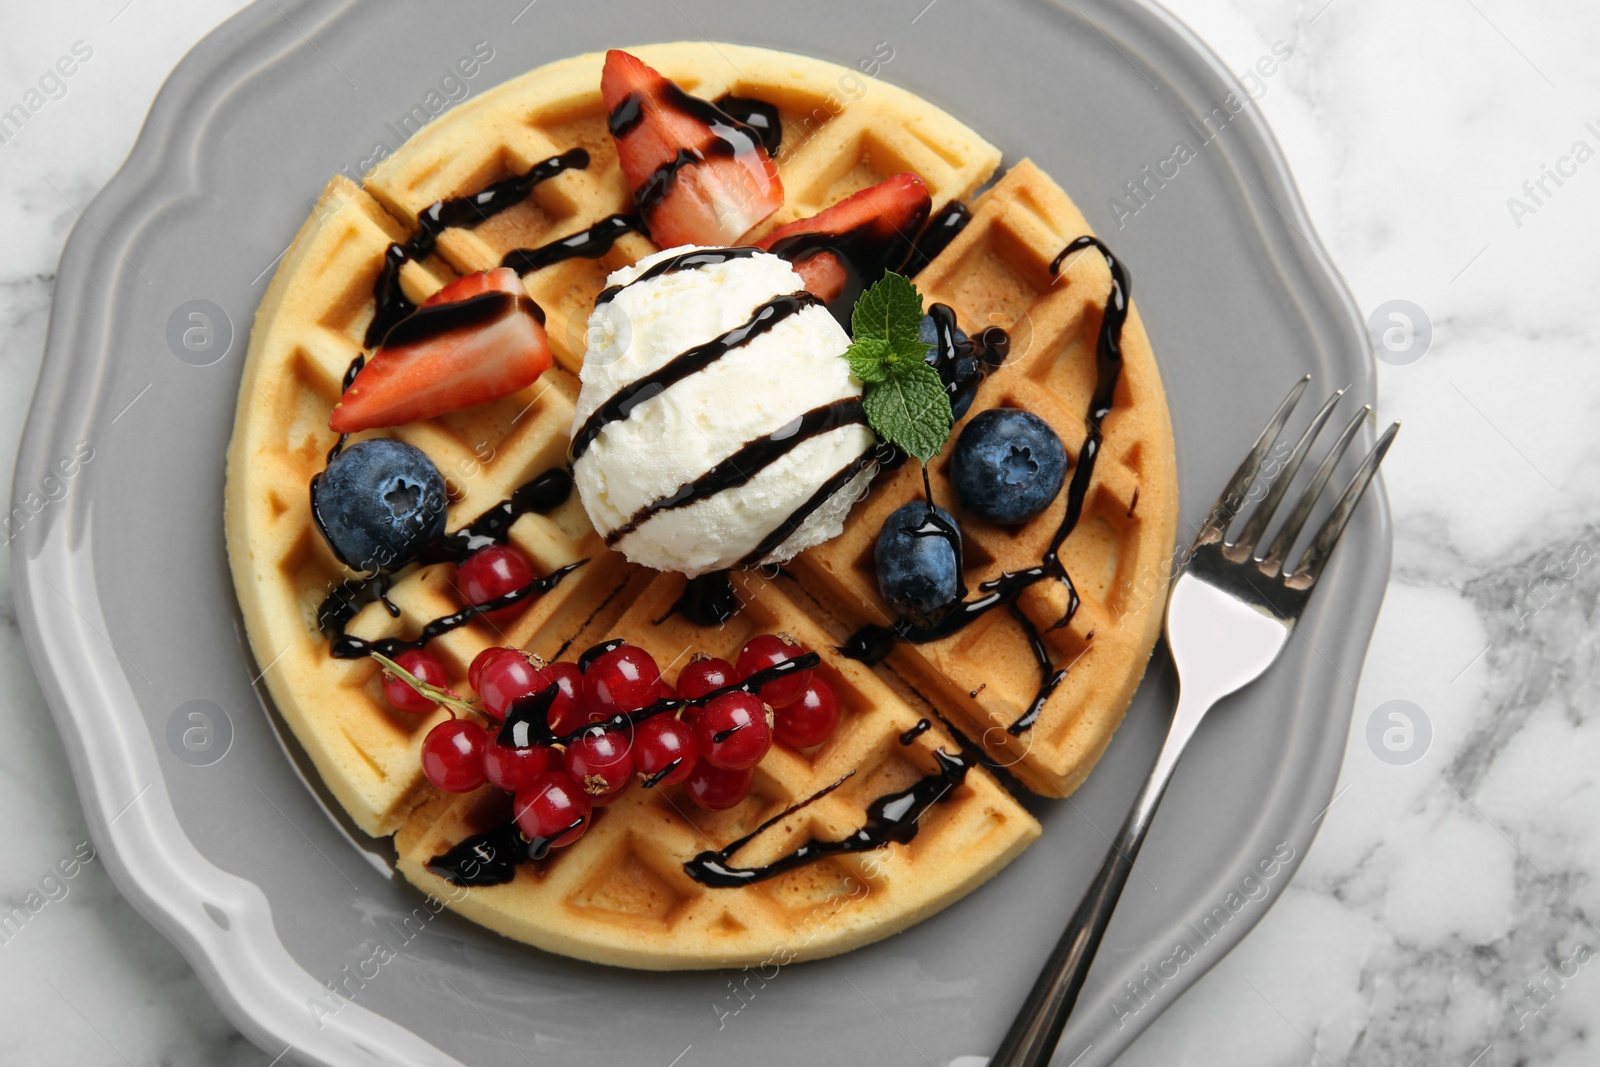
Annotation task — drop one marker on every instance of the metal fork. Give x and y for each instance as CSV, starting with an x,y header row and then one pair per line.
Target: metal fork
x,y
1229,614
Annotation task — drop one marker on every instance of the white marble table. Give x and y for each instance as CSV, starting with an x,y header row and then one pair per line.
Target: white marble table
x,y
1450,907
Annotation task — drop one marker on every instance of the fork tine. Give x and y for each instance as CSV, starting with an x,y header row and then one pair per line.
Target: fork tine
x,y
1316,556
1272,562
1257,525
1227,505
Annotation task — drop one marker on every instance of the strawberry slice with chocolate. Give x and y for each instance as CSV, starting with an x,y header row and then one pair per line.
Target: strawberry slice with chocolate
x,y
477,339
845,248
698,175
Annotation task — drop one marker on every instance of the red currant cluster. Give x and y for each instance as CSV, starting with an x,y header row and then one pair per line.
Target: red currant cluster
x,y
597,738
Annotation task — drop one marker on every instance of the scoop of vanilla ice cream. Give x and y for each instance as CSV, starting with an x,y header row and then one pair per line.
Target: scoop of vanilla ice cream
x,y
676,436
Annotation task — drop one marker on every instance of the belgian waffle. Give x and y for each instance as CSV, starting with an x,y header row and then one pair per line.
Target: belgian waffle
x,y
620,894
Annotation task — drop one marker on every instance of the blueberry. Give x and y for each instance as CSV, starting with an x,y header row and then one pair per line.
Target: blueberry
x,y
919,561
1008,465
378,503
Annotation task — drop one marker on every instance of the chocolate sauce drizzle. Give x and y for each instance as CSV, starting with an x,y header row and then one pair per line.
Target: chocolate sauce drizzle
x,y
343,646
792,522
757,115
749,460
460,211
946,223
870,644
592,243
891,818
915,732
484,859
696,359
691,260
527,720
707,600
963,363
540,495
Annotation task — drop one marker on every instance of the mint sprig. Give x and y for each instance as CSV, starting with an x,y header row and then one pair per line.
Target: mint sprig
x,y
905,400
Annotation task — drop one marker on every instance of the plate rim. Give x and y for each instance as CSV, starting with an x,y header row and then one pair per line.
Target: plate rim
x,y
233,955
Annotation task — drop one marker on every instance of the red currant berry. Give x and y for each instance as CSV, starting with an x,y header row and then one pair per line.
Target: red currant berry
x,y
553,809
505,678
514,769
715,789
624,679
492,572
702,676
567,713
452,755
660,742
733,732
401,696
810,720
475,671
601,762
769,650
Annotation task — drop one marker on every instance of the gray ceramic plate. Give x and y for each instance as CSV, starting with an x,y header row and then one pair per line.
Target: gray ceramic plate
x,y
206,814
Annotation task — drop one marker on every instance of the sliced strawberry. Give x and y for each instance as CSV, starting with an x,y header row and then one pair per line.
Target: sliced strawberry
x,y
849,245
698,175
501,279
477,339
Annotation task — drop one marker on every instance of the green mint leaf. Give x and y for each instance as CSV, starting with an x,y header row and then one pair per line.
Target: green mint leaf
x,y
905,401
867,356
906,353
911,410
891,308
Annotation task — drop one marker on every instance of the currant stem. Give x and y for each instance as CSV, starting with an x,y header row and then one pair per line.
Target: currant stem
x,y
432,692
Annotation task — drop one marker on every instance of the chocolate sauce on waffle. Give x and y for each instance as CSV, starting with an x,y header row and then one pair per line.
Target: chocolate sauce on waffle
x,y
757,115
592,243
891,818
541,495
696,359
707,600
946,223
484,859
750,460
342,646
460,211
915,732
870,644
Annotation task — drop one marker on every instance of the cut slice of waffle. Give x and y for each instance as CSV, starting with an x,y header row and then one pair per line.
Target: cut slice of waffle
x,y
984,677
620,894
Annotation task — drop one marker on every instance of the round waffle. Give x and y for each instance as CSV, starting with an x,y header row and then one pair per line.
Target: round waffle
x,y
620,894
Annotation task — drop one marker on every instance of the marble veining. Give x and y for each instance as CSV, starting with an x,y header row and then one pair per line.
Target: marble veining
x,y
1449,910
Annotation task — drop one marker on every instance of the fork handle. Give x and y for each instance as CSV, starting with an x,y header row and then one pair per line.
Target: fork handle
x,y
1037,1028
